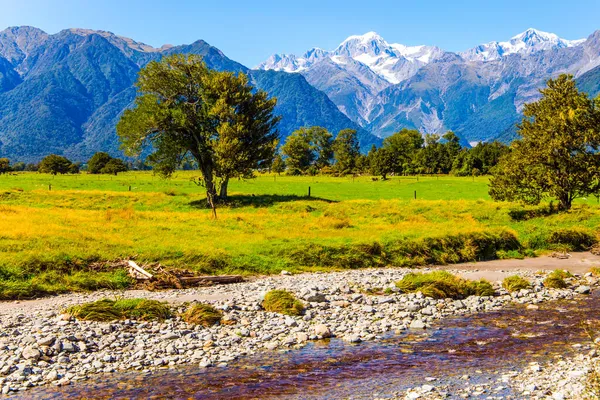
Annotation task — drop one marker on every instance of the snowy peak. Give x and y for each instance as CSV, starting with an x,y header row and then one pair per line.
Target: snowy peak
x,y
530,41
392,62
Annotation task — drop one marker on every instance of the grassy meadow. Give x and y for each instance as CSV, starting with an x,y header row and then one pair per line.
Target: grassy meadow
x,y
49,238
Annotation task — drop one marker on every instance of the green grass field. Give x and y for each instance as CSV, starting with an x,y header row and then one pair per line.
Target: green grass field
x,y
48,238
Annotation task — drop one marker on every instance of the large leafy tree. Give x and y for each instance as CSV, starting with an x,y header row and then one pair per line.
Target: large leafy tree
x,y
557,154
55,164
184,108
346,151
308,147
97,162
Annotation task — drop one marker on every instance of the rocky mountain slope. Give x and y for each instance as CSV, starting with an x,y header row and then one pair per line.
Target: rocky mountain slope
x,y
478,93
64,93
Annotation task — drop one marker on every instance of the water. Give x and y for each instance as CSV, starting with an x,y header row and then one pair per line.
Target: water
x,y
482,345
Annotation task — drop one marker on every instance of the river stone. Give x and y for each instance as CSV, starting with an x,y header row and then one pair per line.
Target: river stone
x,y
583,289
322,330
417,324
317,298
31,353
46,341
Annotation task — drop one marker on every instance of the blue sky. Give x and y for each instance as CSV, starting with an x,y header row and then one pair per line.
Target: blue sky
x,y
249,31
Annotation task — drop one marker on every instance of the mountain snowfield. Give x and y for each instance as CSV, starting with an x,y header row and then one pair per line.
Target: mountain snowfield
x,y
393,62
527,42
478,93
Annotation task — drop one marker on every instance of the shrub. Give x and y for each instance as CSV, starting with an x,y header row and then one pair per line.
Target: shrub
x,y
515,283
442,284
202,314
282,302
574,239
595,271
556,279
110,310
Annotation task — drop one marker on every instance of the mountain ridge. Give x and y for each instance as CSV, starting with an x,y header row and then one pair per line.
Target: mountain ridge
x,y
64,93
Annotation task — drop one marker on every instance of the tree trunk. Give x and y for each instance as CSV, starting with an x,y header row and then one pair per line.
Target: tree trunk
x,y
565,202
223,189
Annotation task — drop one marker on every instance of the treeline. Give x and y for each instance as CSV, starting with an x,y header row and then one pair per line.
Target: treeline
x,y
99,163
310,151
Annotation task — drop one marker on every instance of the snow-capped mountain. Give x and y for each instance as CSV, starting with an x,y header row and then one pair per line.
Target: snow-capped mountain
x,y
393,62
528,42
479,93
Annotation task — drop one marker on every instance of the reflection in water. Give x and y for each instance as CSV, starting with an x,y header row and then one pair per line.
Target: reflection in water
x,y
485,342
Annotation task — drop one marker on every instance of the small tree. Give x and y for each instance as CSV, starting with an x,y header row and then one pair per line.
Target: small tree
x,y
19,166
278,164
217,117
97,162
308,149
114,166
557,154
5,165
346,150
55,164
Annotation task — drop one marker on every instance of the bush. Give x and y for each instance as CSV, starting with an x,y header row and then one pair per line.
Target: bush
x,y
202,314
574,239
55,164
282,302
556,279
515,283
110,310
595,271
442,284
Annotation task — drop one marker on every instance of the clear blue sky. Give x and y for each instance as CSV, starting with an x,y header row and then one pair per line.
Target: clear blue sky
x,y
249,31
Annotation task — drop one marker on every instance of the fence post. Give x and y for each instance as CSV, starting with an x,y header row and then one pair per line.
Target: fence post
x,y
49,187
309,191
415,194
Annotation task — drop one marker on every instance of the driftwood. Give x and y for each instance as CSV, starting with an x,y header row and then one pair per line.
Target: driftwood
x,y
211,279
156,277
137,272
561,255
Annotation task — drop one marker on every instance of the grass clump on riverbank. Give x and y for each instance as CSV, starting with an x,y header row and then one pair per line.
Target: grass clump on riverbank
x,y
515,283
202,314
556,279
111,310
442,284
282,302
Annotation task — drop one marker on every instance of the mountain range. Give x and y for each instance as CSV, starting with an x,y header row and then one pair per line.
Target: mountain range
x,y
64,93
478,93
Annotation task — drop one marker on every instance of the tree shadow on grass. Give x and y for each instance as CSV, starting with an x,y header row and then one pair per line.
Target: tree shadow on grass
x,y
258,201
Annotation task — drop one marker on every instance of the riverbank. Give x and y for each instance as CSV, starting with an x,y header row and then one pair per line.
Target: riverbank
x,y
39,345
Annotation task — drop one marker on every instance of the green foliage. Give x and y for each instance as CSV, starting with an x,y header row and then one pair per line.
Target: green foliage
x,y
442,284
202,314
515,283
278,165
216,117
110,310
346,151
556,279
478,160
308,148
55,164
5,166
282,302
576,239
97,162
557,154
114,166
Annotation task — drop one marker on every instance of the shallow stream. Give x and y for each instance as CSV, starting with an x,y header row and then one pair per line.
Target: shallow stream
x,y
483,346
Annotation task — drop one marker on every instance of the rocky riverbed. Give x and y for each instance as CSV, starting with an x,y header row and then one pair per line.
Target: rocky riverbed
x,y
39,345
